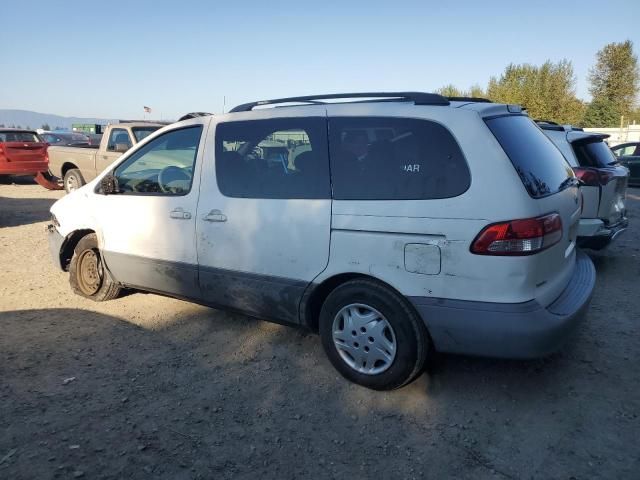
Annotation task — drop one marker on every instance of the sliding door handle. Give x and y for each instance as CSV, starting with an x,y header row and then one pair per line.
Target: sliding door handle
x,y
215,216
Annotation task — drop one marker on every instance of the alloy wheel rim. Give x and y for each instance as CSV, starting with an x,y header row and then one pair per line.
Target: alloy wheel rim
x,y
364,339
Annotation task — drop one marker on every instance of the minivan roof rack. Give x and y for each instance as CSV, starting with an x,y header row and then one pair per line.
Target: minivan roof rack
x,y
189,115
419,98
470,99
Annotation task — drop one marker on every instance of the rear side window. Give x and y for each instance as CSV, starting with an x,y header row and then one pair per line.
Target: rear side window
x,y
594,153
274,158
382,158
540,165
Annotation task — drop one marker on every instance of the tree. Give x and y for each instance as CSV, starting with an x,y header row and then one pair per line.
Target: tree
x,y
450,91
453,91
601,113
477,91
614,83
45,126
547,91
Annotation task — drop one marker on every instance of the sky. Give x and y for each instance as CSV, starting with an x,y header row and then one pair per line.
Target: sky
x,y
109,59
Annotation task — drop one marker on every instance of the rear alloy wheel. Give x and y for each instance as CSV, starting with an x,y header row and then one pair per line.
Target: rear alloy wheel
x,y
87,275
73,180
372,335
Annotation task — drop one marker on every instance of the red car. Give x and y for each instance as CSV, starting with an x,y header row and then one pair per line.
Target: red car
x,y
22,152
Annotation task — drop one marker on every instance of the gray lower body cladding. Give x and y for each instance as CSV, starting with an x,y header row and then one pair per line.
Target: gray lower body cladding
x,y
272,298
522,330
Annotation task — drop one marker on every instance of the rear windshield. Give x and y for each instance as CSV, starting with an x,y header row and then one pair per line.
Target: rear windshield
x,y
143,132
28,137
542,168
593,153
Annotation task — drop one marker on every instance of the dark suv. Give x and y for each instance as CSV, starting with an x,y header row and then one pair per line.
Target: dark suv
x,y
628,154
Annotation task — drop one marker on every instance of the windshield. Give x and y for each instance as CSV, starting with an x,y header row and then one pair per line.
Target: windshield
x,y
593,153
540,165
28,137
143,132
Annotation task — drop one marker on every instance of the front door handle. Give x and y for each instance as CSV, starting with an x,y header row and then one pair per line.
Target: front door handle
x,y
180,214
215,216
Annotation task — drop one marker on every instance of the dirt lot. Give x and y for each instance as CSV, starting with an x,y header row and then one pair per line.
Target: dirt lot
x,y
147,386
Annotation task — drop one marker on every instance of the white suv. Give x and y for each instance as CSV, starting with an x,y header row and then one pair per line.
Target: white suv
x,y
604,183
392,223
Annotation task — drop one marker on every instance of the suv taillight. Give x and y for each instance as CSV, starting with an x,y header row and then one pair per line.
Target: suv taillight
x,y
592,177
519,237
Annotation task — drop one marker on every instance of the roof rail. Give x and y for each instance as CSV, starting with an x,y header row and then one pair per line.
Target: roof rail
x,y
470,99
538,120
419,98
189,115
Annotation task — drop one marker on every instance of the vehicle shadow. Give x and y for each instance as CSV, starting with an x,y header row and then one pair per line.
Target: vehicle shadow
x,y
223,395
17,180
24,211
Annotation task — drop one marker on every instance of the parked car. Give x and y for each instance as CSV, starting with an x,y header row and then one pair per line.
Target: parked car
x,y
22,152
628,154
65,139
77,166
604,183
454,229
94,138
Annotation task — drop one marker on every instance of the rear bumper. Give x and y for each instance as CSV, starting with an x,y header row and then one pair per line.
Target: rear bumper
x,y
55,245
603,235
523,330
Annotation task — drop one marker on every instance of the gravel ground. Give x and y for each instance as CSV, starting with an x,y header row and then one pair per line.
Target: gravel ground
x,y
147,386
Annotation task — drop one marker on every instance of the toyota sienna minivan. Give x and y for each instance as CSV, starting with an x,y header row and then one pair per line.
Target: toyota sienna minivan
x,y
393,224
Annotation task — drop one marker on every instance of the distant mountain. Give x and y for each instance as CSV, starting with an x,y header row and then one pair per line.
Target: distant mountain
x,y
26,118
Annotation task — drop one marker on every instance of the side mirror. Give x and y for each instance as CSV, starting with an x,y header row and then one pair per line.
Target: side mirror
x,y
121,147
109,184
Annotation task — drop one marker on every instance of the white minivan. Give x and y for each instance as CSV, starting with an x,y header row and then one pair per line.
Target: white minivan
x,y
394,224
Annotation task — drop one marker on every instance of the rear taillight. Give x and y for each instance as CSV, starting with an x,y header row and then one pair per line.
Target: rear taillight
x,y
593,177
519,237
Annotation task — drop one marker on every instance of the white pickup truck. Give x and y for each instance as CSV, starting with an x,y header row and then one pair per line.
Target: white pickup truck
x,y
79,165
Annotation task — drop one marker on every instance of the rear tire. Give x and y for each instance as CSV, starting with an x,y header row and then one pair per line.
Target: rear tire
x,y
372,336
73,180
87,275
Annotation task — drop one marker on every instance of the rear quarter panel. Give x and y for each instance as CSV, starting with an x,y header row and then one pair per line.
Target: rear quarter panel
x,y
371,237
